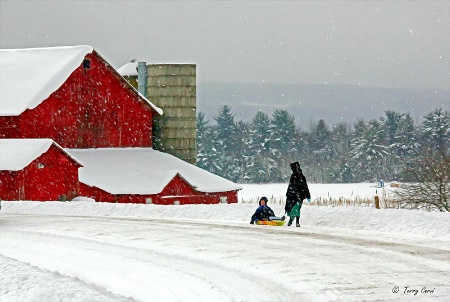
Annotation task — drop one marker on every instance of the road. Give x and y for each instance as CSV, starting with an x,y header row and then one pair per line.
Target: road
x,y
64,258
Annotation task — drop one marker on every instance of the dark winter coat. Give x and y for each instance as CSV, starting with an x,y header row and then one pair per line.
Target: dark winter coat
x,y
297,189
262,213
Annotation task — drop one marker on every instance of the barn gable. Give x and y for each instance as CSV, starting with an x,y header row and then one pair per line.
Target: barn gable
x,y
29,76
36,169
79,101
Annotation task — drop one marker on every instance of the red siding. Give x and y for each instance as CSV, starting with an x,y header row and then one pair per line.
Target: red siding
x,y
90,110
178,190
9,127
58,176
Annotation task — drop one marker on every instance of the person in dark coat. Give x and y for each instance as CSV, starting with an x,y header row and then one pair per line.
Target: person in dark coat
x,y
263,212
297,191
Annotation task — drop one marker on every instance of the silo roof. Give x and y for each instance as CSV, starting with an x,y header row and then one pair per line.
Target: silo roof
x,y
129,69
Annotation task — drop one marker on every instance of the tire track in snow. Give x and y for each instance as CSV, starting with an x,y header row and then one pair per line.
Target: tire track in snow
x,y
410,249
212,278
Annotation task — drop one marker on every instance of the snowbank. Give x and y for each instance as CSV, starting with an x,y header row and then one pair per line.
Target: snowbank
x,y
398,221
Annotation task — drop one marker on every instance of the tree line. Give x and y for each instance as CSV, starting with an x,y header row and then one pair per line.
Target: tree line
x,y
259,151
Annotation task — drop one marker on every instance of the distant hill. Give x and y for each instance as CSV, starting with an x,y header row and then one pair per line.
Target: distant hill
x,y
311,102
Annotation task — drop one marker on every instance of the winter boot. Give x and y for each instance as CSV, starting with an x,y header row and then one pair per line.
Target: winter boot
x,y
290,221
297,222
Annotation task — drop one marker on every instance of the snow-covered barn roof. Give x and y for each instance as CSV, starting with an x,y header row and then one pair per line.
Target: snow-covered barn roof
x,y
142,171
16,154
29,76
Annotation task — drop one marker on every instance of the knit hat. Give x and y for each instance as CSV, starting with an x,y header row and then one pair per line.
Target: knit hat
x,y
263,198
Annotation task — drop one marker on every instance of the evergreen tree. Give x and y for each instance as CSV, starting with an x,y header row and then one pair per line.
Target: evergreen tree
x,y
226,144
226,128
204,142
259,165
320,135
391,123
283,145
208,153
201,125
436,129
368,149
405,137
242,154
339,142
320,151
259,134
404,147
283,132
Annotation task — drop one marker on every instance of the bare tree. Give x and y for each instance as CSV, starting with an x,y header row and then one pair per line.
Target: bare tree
x,y
430,188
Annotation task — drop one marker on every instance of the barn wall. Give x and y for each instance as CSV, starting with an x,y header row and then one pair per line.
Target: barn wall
x,y
9,127
92,109
102,196
10,182
97,194
48,177
178,191
57,179
183,193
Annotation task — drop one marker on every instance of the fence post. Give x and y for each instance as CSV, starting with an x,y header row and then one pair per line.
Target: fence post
x,y
377,202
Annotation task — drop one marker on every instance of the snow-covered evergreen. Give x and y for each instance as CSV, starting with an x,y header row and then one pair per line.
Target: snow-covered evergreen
x,y
260,151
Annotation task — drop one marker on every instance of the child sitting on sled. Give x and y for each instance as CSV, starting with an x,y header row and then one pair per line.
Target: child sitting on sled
x,y
263,212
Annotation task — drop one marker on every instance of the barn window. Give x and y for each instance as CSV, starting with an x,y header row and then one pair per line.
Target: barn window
x,y
148,201
40,165
223,199
176,202
86,65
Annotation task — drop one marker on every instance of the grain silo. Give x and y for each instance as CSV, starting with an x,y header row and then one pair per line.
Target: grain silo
x,y
172,87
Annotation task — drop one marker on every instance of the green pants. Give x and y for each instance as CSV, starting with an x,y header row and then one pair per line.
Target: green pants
x,y
295,211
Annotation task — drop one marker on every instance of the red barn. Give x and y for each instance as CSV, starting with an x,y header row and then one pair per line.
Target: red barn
x,y
36,169
144,175
73,96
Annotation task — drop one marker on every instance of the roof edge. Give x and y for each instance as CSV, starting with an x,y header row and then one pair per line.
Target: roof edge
x,y
157,109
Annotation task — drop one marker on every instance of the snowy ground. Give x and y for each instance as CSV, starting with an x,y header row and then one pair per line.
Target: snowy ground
x,y
86,251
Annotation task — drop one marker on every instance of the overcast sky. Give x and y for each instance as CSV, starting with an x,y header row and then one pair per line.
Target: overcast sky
x,y
378,43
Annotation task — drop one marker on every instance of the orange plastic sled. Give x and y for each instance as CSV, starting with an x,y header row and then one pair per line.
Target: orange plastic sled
x,y
271,222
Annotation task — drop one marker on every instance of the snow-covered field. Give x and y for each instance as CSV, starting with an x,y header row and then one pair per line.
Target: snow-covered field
x,y
351,192
87,251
